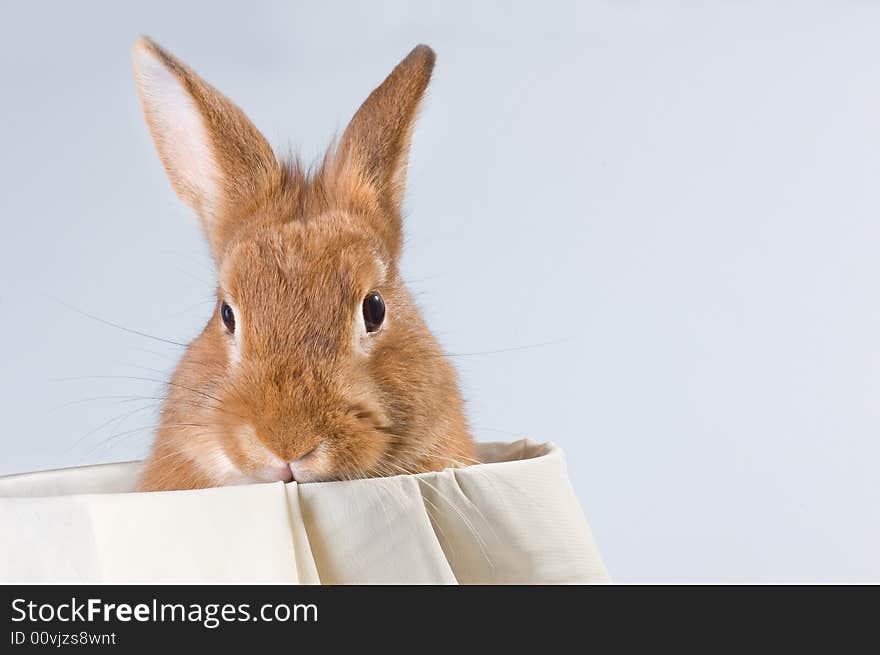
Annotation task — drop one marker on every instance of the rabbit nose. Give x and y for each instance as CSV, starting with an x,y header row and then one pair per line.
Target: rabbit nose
x,y
280,472
300,468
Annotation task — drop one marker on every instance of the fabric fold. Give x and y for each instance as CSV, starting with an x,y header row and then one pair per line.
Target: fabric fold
x,y
372,531
512,519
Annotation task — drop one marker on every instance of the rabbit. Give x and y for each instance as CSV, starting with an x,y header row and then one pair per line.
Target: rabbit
x,y
315,364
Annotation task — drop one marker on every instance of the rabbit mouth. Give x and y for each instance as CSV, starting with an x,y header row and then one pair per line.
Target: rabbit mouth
x,y
299,470
309,467
302,468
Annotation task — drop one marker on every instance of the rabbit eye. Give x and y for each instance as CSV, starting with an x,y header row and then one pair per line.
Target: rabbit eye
x,y
374,311
228,317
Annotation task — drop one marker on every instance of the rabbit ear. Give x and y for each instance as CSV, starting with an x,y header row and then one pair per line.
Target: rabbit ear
x,y
215,158
375,145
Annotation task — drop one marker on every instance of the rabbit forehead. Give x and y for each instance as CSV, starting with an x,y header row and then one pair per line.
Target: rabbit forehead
x,y
300,281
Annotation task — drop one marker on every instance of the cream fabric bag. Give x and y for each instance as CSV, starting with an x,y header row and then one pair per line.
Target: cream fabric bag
x,y
513,519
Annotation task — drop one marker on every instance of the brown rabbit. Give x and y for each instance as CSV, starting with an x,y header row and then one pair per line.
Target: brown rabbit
x,y
315,364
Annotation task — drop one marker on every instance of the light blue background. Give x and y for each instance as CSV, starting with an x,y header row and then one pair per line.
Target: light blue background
x,y
665,216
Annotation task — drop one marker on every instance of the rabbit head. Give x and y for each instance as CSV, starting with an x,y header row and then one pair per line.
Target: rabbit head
x,y
315,363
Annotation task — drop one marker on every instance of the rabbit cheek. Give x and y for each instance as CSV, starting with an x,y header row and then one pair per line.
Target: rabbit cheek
x,y
359,454
220,467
